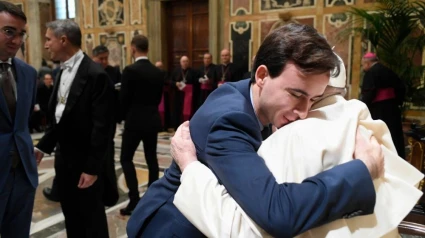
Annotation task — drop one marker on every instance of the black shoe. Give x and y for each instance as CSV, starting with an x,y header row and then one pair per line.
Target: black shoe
x,y
47,192
130,207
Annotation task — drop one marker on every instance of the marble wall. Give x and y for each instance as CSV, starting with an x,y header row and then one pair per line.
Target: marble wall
x,y
112,23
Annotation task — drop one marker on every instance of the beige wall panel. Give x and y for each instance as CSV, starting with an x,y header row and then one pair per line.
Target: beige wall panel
x,y
240,6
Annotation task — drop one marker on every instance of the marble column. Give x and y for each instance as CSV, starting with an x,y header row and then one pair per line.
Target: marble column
x,y
35,38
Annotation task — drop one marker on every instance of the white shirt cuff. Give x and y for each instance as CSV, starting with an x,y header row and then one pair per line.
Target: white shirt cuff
x,y
35,148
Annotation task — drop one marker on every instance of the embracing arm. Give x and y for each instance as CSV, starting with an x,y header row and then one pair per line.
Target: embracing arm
x,y
282,210
208,206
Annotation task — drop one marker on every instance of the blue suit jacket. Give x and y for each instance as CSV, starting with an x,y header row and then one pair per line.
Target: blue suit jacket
x,y
17,131
227,135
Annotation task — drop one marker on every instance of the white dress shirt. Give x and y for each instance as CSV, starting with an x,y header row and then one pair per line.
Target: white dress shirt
x,y
139,58
69,70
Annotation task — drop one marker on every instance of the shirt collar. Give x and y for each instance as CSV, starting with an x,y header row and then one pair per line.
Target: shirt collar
x,y
141,57
9,61
69,64
252,103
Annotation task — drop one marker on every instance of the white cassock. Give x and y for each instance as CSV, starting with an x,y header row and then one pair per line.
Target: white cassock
x,y
300,150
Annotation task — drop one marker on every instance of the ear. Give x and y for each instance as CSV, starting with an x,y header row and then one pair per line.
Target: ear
x,y
63,39
260,75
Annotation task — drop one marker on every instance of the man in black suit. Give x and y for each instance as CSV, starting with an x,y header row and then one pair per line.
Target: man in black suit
x,y
141,92
101,56
79,122
44,90
383,92
227,71
185,82
208,79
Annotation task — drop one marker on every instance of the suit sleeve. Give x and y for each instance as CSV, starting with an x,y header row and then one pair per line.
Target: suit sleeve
x,y
102,119
288,209
368,88
118,74
208,206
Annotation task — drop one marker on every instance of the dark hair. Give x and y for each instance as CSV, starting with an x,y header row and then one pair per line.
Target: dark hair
x,y
299,44
100,49
43,62
12,9
141,43
66,27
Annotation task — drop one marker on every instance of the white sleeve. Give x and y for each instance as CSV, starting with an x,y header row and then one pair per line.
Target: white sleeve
x,y
208,206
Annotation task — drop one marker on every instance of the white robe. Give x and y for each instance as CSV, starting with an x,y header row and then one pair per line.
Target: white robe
x,y
300,150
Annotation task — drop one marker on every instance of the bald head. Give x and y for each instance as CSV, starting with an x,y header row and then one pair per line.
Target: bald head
x,y
159,65
225,56
184,62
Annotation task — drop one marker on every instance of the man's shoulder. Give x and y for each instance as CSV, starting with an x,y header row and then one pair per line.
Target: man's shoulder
x,y
224,102
143,66
23,65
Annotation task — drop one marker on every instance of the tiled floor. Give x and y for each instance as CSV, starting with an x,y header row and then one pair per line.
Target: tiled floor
x,y
48,221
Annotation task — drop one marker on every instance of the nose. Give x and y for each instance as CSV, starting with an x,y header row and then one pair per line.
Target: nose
x,y
17,40
302,110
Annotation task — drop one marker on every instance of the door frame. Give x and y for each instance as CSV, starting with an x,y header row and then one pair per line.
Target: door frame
x,y
156,24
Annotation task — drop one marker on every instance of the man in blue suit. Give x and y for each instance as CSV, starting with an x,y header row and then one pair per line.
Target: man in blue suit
x,y
291,71
18,168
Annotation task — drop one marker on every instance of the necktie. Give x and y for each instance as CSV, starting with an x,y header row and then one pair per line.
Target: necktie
x,y
6,85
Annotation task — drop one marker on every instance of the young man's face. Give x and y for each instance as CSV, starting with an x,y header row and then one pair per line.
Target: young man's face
x,y
289,96
54,45
12,35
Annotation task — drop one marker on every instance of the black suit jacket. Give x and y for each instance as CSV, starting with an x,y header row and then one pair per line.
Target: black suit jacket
x,y
232,72
211,72
85,125
141,92
192,78
43,96
115,76
379,77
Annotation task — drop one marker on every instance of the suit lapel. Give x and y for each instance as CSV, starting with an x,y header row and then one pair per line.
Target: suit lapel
x,y
54,97
77,86
21,92
20,88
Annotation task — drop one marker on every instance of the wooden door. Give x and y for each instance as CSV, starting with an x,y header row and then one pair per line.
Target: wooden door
x,y
187,31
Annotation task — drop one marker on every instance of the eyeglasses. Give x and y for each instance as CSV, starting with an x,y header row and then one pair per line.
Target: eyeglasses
x,y
12,33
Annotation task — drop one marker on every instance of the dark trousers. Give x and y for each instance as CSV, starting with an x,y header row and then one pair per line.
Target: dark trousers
x,y
167,111
83,209
16,204
130,142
